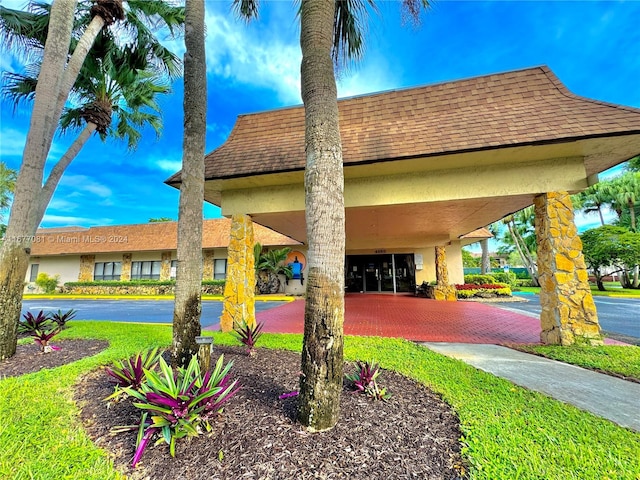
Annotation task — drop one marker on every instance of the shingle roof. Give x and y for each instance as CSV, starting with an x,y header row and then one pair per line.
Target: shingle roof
x,y
521,107
161,236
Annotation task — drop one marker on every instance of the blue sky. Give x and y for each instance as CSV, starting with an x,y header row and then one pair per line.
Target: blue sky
x,y
591,46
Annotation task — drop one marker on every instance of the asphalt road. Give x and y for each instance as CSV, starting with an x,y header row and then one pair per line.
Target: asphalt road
x,y
147,311
619,317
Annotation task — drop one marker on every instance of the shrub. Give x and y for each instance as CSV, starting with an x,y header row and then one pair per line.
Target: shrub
x,y
62,318
505,277
131,373
180,404
46,283
483,290
479,279
364,380
40,327
248,334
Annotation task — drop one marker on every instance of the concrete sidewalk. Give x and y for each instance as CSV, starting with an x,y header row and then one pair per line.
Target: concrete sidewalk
x,y
603,395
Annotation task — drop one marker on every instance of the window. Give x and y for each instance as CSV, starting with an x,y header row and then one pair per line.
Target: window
x,y
174,268
220,268
146,270
107,271
34,272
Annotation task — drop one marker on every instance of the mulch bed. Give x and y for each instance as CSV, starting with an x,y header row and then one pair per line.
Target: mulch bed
x,y
414,435
29,359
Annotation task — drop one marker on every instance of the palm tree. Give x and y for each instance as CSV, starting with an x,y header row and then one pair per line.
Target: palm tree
x,y
330,33
593,200
522,236
49,42
188,306
269,266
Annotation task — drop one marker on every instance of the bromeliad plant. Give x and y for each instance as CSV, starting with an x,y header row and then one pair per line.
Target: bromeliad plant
x,y
41,327
248,335
178,404
131,373
364,380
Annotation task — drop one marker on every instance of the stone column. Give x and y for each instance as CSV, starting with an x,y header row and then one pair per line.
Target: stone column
x,y
165,266
239,289
207,266
125,272
568,311
87,263
443,290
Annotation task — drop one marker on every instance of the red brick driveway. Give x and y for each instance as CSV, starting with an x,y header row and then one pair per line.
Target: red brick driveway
x,y
416,319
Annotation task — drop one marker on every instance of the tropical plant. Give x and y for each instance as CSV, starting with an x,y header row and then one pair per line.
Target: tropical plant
x,y
330,33
47,283
180,404
188,298
55,40
62,318
593,200
364,380
40,327
248,335
131,373
269,266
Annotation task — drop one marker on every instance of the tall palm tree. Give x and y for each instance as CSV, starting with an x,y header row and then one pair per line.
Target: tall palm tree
x,y
330,33
522,235
60,61
593,200
188,306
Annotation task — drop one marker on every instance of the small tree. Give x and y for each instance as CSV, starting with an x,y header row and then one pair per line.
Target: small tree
x,y
608,246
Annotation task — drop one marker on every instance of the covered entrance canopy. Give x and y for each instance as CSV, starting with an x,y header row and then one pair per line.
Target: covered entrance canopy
x,y
426,165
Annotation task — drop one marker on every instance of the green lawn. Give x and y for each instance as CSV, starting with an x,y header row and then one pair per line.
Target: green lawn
x,y
612,290
509,432
620,360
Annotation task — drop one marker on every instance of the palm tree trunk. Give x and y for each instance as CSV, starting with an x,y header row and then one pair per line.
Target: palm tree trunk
x,y
56,173
600,214
23,220
485,266
523,251
322,352
188,306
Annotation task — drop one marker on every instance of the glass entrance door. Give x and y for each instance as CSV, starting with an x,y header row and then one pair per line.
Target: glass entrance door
x,y
379,273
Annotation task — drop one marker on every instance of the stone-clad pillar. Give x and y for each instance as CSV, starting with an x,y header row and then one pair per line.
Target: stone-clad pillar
x,y
568,311
239,289
207,266
443,290
87,264
165,266
125,272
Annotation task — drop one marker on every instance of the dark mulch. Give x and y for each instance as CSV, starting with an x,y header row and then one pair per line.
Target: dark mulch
x,y
29,359
413,435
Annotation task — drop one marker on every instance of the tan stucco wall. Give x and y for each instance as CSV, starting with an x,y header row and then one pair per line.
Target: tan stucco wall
x,y
454,264
418,187
67,267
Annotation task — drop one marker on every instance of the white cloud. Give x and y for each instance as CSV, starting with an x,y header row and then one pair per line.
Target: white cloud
x,y
62,204
13,141
84,184
247,55
69,220
171,166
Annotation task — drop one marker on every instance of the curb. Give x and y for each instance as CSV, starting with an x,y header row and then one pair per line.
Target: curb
x,y
258,298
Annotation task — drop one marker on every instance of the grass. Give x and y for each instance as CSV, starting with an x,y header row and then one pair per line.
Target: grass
x,y
509,432
613,290
619,360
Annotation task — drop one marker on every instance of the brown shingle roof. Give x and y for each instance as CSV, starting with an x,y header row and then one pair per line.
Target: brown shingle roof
x,y
161,236
521,107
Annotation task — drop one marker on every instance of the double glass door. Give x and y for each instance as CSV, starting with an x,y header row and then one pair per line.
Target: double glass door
x,y
380,273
